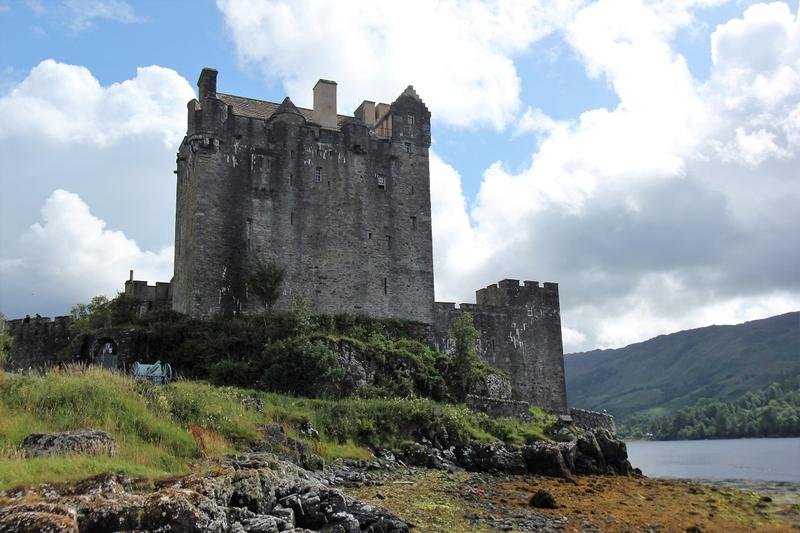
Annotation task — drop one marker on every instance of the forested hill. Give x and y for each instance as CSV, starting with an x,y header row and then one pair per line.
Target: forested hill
x,y
672,371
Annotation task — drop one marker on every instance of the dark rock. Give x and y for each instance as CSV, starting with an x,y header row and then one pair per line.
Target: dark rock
x,y
308,430
83,441
545,458
543,500
426,457
615,452
385,455
589,459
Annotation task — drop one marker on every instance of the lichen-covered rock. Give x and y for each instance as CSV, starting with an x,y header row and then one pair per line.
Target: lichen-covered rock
x,y
495,386
243,494
296,451
38,517
83,441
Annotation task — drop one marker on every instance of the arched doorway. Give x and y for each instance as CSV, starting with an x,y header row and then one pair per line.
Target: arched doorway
x,y
105,353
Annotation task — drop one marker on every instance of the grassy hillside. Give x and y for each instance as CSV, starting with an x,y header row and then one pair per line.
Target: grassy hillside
x,y
669,372
163,430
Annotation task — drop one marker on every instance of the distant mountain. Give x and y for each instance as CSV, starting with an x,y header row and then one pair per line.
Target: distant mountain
x,y
669,372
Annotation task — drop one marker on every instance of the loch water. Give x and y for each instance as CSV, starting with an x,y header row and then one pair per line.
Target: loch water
x,y
745,459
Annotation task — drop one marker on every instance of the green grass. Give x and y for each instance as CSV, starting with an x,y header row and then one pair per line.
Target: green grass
x,y
159,428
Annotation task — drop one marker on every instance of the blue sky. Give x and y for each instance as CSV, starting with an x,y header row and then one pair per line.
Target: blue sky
x,y
598,144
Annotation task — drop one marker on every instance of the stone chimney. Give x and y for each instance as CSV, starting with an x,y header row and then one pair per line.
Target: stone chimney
x,y
325,104
207,83
366,113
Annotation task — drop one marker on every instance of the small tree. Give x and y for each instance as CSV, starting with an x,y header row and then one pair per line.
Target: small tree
x,y
87,318
265,282
465,371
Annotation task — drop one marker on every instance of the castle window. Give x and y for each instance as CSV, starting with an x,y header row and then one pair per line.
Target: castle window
x,y
318,174
291,154
412,189
291,178
291,218
385,287
408,147
248,229
413,223
410,120
381,182
530,310
388,241
369,235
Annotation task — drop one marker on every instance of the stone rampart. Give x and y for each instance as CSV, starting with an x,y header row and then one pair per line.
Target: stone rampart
x,y
592,420
520,332
496,408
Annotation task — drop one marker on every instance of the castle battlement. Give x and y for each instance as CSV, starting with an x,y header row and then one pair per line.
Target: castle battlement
x,y
38,325
511,292
520,332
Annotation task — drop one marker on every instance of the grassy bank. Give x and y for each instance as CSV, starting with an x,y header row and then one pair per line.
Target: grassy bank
x,y
163,430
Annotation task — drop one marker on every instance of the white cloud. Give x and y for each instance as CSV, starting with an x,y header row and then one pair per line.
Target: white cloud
x,y
76,108
457,53
72,256
676,208
114,146
80,15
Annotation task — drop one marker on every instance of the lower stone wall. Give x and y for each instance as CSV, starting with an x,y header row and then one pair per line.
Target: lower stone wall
x,y
499,408
592,420
40,343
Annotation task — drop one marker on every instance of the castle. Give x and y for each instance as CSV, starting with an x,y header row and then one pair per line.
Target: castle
x,y
343,204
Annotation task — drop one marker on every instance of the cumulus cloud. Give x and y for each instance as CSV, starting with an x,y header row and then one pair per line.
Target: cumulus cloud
x,y
457,53
71,256
676,208
114,146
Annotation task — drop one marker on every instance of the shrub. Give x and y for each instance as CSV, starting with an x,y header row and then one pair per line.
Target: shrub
x,y
297,365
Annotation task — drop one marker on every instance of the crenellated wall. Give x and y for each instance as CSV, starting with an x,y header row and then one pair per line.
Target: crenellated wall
x,y
520,332
38,342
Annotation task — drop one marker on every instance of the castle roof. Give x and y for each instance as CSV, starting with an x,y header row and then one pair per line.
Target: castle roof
x,y
252,108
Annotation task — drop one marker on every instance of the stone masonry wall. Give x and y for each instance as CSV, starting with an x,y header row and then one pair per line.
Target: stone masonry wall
x,y
345,211
592,420
495,407
520,332
38,342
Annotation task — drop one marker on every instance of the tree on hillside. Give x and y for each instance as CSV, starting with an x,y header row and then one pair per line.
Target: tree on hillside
x,y
265,282
466,363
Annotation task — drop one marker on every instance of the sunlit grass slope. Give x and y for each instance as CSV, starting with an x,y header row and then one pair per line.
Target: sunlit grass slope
x,y
164,430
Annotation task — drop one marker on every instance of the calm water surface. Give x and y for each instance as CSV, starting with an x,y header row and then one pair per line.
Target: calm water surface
x,y
762,459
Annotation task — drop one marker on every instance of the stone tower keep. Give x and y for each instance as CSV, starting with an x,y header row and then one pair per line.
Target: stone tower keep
x,y
342,202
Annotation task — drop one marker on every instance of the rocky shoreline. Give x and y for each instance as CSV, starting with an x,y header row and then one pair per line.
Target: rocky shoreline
x,y
582,481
